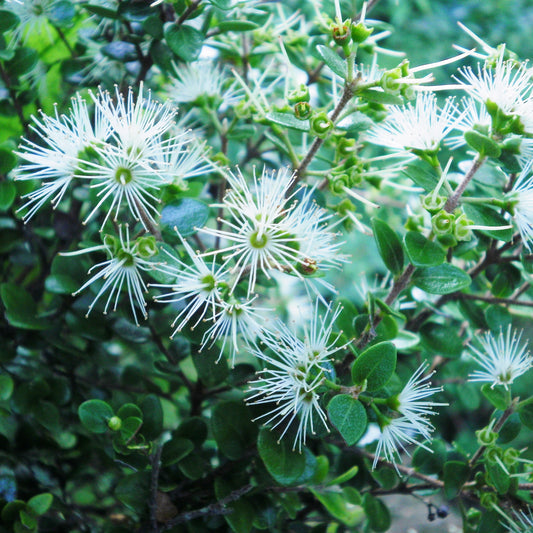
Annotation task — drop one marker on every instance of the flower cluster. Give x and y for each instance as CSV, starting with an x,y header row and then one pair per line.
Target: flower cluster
x,y
127,152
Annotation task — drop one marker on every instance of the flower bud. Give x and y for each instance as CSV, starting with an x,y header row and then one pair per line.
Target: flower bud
x,y
488,500
461,228
510,456
442,223
341,33
299,95
433,203
361,32
338,182
302,110
486,437
146,246
114,423
346,147
321,125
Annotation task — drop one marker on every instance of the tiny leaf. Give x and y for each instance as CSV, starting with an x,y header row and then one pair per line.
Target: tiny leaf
x,y
389,245
349,416
376,365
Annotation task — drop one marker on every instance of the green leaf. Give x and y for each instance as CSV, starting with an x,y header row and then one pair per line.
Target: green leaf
x,y
175,450
507,280
380,97
442,339
47,414
152,416
491,522
101,11
338,507
349,474
376,365
482,144
442,279
242,514
6,386
94,415
232,428
377,513
430,462
498,477
283,464
129,409
421,251
8,192
153,26
134,491
525,410
237,25
23,61
212,370
333,60
422,175
185,41
187,215
511,429
8,161
484,215
498,396
349,417
288,120
8,20
456,474
498,317
389,245
41,503
355,123
21,310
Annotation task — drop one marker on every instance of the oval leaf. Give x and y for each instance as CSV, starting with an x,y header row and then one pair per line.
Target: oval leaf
x,y
283,464
421,251
184,41
187,215
94,415
442,279
376,365
389,245
349,417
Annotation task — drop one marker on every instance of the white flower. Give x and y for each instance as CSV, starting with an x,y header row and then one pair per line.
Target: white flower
x,y
503,359
197,284
412,404
521,196
34,18
66,137
421,126
473,116
123,178
202,80
235,319
268,229
296,370
396,434
138,123
505,84
126,262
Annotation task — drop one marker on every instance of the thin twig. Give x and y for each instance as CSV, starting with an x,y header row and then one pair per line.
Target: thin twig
x,y
154,487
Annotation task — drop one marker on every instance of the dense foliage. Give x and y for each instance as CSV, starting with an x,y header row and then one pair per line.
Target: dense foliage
x,y
263,265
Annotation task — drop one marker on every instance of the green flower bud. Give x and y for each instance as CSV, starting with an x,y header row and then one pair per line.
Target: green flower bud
x,y
299,95
414,223
486,437
360,32
488,500
510,456
338,182
114,423
341,33
433,203
344,206
302,110
112,242
442,223
447,240
389,81
408,91
146,246
346,147
461,228
321,125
